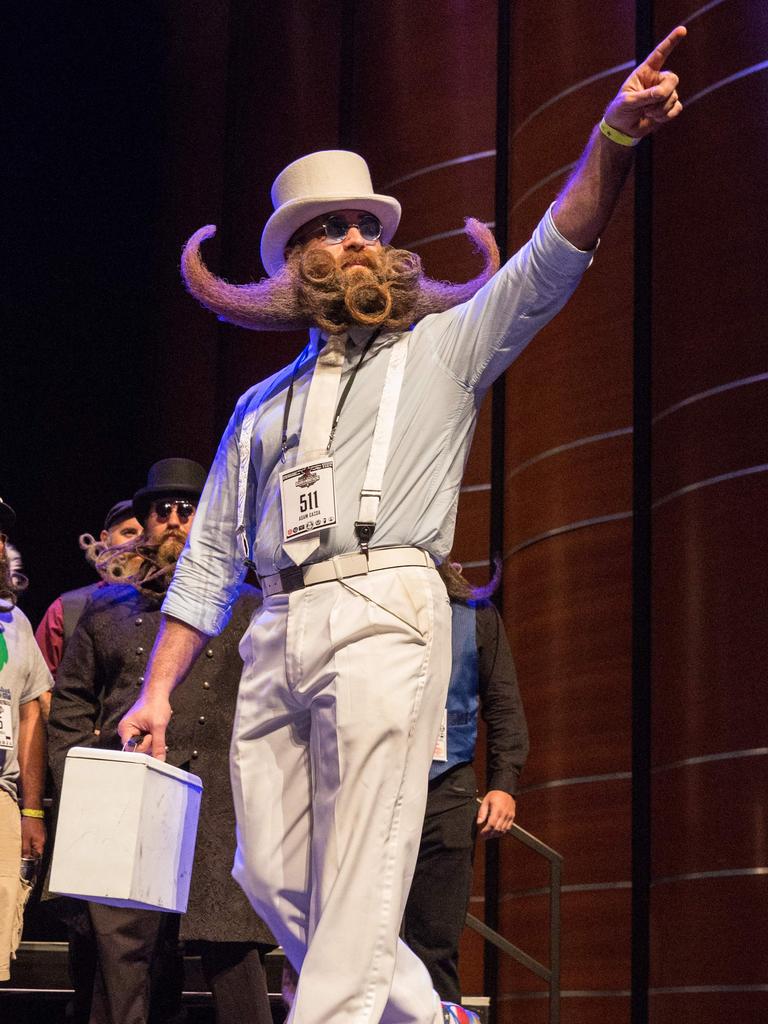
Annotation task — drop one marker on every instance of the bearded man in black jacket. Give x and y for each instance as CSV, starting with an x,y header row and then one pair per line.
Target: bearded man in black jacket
x,y
97,681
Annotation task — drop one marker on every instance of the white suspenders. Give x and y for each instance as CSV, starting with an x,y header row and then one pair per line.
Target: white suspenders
x,y
370,494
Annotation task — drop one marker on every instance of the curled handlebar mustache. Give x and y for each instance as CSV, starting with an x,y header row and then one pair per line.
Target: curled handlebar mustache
x,y
385,287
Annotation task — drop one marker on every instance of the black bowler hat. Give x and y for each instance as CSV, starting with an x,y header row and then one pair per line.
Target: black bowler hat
x,y
169,478
7,516
118,514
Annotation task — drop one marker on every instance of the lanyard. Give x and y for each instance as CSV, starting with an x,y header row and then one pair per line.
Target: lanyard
x,y
244,448
342,399
287,404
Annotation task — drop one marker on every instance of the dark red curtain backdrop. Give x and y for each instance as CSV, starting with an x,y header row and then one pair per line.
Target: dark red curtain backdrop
x,y
134,124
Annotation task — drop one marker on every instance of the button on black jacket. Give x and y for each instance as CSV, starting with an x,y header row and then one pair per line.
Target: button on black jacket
x,y
98,681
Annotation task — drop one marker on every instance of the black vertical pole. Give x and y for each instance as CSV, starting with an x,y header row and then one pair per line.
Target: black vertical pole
x,y
641,555
498,430
501,231
346,74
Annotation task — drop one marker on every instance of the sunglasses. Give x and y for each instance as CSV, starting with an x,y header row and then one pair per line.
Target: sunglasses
x,y
163,509
336,227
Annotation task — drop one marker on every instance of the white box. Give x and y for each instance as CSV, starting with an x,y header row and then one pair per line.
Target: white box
x,y
126,830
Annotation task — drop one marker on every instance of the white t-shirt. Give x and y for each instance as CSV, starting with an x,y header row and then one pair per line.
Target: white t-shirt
x,y
23,677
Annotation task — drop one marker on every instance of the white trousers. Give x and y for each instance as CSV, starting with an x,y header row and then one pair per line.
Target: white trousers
x,y
338,713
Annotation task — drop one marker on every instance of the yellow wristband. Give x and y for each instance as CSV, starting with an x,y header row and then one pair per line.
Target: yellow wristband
x,y
616,136
31,812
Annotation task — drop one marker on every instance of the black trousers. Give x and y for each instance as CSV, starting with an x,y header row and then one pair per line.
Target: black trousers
x,y
442,883
139,972
81,964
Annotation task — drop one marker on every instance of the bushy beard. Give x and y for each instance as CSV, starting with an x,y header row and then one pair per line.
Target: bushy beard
x,y
169,548
123,559
148,566
384,287
12,580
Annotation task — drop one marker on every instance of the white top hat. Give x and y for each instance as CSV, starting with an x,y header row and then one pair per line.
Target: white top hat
x,y
319,183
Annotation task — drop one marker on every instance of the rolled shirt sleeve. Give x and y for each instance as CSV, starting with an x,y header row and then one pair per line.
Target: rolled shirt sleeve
x,y
481,338
210,570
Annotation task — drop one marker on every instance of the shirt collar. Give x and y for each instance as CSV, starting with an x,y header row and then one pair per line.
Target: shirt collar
x,y
356,335
359,335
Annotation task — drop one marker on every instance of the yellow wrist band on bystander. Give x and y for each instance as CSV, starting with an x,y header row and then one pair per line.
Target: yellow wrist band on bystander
x,y
616,136
32,812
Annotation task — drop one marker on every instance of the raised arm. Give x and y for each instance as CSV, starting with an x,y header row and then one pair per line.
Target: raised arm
x,y
646,100
175,650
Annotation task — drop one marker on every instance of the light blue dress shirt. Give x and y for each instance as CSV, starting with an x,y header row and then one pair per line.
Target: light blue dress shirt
x,y
453,359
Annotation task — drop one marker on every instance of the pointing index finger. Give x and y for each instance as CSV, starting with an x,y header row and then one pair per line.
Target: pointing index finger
x,y
657,57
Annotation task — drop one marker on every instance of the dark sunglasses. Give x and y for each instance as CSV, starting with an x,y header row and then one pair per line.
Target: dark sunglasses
x,y
163,509
336,227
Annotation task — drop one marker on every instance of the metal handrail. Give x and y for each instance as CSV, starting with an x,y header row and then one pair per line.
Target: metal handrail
x,y
549,974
